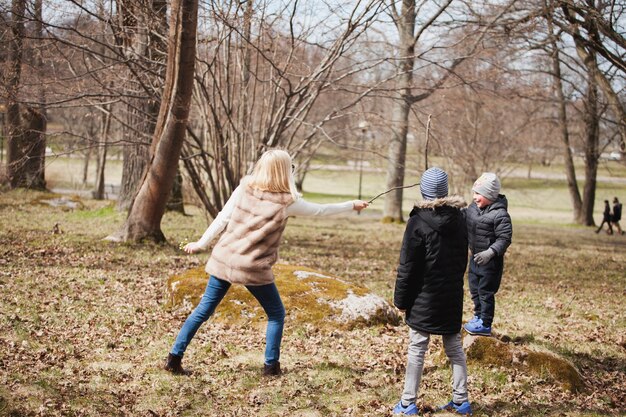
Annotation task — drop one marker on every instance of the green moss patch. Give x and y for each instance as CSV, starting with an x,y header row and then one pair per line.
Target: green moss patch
x,y
489,350
557,368
309,296
492,352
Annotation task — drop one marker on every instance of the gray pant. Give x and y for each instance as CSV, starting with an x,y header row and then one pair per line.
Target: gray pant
x,y
418,345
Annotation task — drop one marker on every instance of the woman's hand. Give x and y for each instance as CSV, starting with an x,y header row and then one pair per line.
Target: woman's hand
x,y
360,205
192,247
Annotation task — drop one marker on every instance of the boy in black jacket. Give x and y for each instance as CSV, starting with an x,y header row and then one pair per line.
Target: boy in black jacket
x,y
429,287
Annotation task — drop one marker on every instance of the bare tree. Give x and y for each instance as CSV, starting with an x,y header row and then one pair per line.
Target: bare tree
x,y
404,20
600,33
146,212
561,103
26,125
260,82
140,28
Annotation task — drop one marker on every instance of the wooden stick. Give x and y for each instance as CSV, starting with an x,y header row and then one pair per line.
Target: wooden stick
x,y
391,189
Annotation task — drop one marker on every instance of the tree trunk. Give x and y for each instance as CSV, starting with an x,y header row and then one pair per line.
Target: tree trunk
x,y
592,132
142,112
146,212
26,147
102,153
33,148
175,202
392,211
570,170
86,165
15,139
36,130
136,153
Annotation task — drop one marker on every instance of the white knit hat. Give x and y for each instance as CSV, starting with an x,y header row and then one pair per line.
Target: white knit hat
x,y
487,185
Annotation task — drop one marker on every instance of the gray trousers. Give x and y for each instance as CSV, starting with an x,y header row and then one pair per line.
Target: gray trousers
x,y
418,345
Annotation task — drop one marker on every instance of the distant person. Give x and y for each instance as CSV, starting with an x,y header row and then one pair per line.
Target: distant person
x,y
429,287
617,215
489,232
606,218
253,218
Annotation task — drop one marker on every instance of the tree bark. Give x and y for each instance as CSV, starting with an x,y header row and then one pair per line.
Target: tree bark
x,y
592,132
146,212
570,170
15,139
136,154
392,211
142,112
102,153
176,202
32,169
26,147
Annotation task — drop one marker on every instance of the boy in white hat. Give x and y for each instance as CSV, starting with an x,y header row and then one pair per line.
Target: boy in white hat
x,y
489,232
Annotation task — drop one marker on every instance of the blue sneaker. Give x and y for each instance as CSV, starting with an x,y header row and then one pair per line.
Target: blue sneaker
x,y
477,328
464,408
473,320
409,410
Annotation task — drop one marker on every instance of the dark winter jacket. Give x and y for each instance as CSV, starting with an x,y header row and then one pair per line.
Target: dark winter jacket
x,y
617,212
429,284
606,214
490,227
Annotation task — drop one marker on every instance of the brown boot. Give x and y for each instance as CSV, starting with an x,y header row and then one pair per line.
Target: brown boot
x,y
272,370
173,365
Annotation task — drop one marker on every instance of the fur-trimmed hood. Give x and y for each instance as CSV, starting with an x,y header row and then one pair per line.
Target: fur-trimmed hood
x,y
432,265
455,201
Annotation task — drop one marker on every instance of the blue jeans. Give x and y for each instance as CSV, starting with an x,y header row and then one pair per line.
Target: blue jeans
x,y
216,289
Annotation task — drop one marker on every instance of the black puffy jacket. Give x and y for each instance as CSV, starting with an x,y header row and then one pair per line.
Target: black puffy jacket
x,y
490,227
429,284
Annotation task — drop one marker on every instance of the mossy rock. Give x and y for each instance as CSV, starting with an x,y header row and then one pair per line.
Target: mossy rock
x,y
309,296
487,350
558,368
490,351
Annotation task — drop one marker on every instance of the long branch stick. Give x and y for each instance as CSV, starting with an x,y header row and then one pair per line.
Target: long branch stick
x,y
391,189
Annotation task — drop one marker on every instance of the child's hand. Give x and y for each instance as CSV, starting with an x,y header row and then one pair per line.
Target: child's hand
x,y
360,205
482,258
192,247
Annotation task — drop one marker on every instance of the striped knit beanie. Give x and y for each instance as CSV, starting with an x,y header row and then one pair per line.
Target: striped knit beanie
x,y
434,184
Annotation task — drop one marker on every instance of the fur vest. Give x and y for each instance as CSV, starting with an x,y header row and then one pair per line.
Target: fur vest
x,y
248,248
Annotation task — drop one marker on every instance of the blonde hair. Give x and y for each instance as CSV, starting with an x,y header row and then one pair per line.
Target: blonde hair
x,y
273,173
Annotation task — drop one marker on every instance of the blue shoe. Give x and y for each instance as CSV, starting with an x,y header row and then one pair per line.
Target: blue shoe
x,y
409,410
477,328
464,408
473,324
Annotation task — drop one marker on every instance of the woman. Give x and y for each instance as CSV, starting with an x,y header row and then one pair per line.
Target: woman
x,y
254,219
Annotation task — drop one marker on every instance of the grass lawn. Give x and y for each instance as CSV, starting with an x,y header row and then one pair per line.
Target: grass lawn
x,y
84,331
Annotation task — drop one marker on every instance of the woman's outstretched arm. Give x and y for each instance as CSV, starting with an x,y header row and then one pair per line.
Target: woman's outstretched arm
x,y
217,225
302,207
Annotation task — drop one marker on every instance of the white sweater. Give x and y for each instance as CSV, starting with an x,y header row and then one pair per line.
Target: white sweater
x,y
299,207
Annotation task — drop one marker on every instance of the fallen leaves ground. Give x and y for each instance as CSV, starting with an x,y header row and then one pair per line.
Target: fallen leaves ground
x,y
83,330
